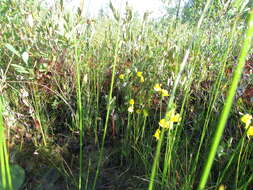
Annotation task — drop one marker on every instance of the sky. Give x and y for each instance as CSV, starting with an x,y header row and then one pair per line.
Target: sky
x,y
155,6
141,6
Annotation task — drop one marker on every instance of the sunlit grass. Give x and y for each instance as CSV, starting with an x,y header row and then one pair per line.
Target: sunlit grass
x,y
6,181
125,102
228,104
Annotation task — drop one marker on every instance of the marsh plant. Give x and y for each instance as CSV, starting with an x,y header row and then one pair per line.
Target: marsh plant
x,y
126,101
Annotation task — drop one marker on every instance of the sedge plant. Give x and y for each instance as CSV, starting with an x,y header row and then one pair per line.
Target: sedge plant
x,y
228,104
4,158
170,106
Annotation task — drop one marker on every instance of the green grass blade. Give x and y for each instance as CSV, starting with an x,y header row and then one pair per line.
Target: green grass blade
x,y
5,168
228,104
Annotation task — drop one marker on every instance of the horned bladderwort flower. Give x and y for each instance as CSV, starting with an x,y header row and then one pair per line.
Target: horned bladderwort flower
x,y
246,119
158,88
142,79
164,92
131,107
139,74
249,131
121,76
131,102
165,124
221,187
157,134
171,117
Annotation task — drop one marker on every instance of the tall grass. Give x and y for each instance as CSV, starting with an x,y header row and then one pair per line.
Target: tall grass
x,y
94,110
109,100
228,103
4,158
79,112
169,107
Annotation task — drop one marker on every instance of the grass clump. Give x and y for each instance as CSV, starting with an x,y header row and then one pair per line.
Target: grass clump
x,y
126,102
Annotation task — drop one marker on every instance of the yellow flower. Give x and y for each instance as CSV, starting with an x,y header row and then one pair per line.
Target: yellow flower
x,y
170,113
142,79
157,134
157,87
246,119
131,102
249,131
145,113
175,118
172,116
222,187
164,92
139,74
130,109
121,76
165,124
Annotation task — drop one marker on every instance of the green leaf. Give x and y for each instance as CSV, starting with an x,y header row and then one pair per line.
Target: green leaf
x,y
20,69
17,177
12,49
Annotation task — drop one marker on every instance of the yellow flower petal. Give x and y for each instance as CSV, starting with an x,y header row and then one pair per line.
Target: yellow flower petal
x,y
121,76
139,74
157,134
246,119
131,102
249,131
176,118
142,79
222,187
157,87
164,92
165,124
170,113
